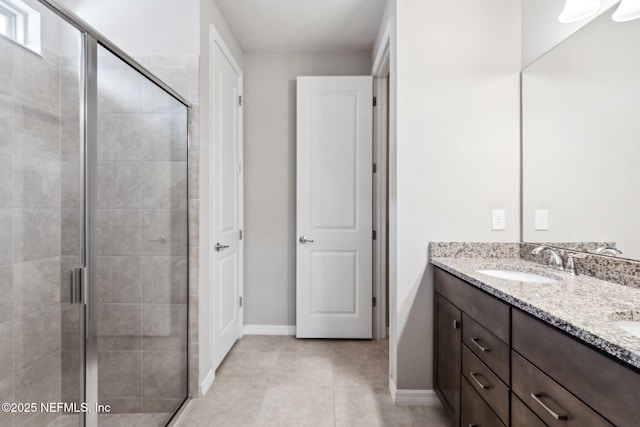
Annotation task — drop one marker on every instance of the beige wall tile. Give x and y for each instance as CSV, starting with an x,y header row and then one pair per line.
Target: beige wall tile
x,y
36,234
36,334
164,279
165,138
119,374
37,79
164,327
36,283
164,374
119,185
164,185
119,232
36,132
169,223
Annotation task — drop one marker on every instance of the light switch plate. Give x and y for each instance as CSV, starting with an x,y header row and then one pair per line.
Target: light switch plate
x,y
498,219
541,219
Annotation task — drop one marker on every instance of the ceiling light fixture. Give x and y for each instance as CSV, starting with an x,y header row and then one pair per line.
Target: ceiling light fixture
x,y
627,11
577,10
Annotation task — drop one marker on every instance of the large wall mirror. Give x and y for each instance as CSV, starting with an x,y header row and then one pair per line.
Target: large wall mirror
x,y
581,139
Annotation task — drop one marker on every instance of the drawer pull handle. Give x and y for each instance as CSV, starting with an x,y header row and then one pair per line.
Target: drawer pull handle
x,y
456,324
475,375
476,342
537,397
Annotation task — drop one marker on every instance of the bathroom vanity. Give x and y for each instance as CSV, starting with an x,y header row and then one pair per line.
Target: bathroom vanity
x,y
512,353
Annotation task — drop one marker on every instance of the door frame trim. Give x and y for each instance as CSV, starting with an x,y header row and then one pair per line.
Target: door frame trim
x,y
380,69
215,39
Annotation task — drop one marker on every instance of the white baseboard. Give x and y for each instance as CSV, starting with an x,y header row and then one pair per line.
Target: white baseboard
x,y
207,383
413,397
269,330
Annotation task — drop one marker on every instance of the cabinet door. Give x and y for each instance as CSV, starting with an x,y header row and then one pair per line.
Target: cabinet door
x,y
448,341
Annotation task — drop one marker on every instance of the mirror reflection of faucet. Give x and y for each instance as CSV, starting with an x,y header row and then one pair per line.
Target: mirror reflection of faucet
x,y
571,266
608,250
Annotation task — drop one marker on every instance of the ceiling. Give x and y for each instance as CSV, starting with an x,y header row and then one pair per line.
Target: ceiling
x,y
303,25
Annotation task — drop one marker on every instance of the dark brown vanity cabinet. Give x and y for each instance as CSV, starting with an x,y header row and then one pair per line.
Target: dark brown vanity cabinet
x,y
573,379
471,353
448,356
496,365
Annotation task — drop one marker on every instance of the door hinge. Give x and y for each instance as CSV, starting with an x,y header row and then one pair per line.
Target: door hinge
x,y
240,301
240,234
375,168
240,100
375,302
375,235
375,101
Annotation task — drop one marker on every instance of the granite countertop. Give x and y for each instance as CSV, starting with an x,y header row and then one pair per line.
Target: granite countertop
x,y
582,306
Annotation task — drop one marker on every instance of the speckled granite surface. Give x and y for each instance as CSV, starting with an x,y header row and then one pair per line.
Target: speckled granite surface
x,y
583,306
619,270
474,249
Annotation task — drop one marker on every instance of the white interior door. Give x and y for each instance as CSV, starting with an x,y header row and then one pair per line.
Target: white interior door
x,y
334,207
226,204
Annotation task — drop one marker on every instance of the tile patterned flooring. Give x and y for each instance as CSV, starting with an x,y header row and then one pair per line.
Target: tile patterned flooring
x,y
283,381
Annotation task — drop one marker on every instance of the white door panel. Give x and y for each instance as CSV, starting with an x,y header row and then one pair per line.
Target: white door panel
x,y
226,182
334,207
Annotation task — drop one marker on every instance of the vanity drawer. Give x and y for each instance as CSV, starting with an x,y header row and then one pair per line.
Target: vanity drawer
x,y
604,384
548,400
486,384
474,410
493,352
521,415
488,311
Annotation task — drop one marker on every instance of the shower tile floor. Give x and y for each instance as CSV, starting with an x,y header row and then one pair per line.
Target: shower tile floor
x,y
283,381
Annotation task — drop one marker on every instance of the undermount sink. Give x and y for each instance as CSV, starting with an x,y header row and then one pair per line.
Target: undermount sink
x,y
631,326
517,276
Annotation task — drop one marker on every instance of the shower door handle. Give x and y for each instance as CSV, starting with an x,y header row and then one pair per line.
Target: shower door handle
x,y
76,290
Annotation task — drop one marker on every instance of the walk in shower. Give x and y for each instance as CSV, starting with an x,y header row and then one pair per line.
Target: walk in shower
x,y
93,232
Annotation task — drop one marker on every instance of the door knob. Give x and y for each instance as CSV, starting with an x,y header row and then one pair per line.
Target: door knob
x,y
304,240
220,247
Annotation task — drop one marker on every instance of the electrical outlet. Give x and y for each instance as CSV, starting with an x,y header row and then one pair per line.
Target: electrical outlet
x,y
498,219
541,219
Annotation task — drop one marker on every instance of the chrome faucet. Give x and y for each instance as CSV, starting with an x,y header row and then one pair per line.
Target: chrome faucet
x,y
608,250
555,261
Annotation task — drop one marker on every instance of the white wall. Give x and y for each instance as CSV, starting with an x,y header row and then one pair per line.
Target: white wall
x,y
581,124
149,27
270,175
541,30
457,148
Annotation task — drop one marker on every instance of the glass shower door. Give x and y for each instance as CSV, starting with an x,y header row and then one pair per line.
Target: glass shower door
x,y
141,226
39,226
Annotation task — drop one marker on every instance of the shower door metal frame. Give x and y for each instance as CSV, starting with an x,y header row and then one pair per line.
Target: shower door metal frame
x,y
89,245
91,39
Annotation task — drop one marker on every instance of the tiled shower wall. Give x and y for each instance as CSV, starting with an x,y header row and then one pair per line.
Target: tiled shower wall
x,y
142,200
143,304
182,74
30,226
